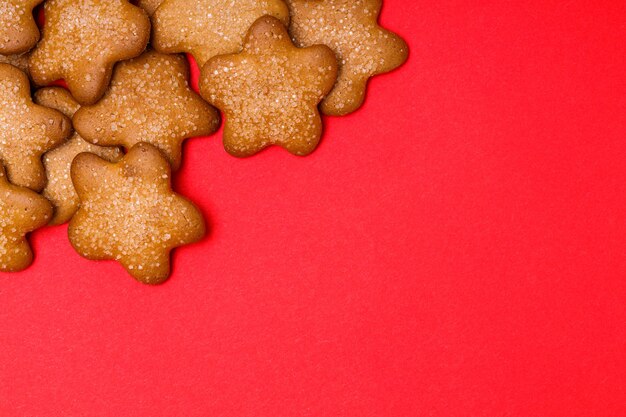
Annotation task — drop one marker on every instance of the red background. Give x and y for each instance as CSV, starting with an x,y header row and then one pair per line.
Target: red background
x,y
455,248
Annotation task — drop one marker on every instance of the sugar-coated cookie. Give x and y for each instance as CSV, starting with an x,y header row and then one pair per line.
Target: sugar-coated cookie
x,y
18,29
20,61
364,49
82,40
57,162
149,101
129,213
270,91
149,6
21,212
206,28
27,130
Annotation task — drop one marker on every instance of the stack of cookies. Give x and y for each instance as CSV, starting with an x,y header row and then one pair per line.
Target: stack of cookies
x,y
98,149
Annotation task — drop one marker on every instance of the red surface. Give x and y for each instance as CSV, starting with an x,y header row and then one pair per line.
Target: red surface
x,y
455,248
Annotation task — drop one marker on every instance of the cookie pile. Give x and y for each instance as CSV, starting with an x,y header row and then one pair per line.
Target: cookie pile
x,y
100,153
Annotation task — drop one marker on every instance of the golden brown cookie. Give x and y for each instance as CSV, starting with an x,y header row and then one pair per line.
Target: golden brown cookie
x,y
149,6
270,91
19,61
130,214
82,40
27,130
206,28
149,101
57,162
21,211
18,29
364,49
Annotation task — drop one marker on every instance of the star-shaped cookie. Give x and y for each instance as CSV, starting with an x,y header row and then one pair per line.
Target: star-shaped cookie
x,y
270,91
57,162
364,49
130,214
18,30
149,101
206,28
27,130
21,212
20,61
82,40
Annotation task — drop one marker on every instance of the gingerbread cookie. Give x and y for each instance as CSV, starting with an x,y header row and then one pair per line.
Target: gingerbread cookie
x,y
130,214
27,130
270,91
206,28
364,49
18,29
149,6
57,162
19,61
22,211
82,40
149,101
